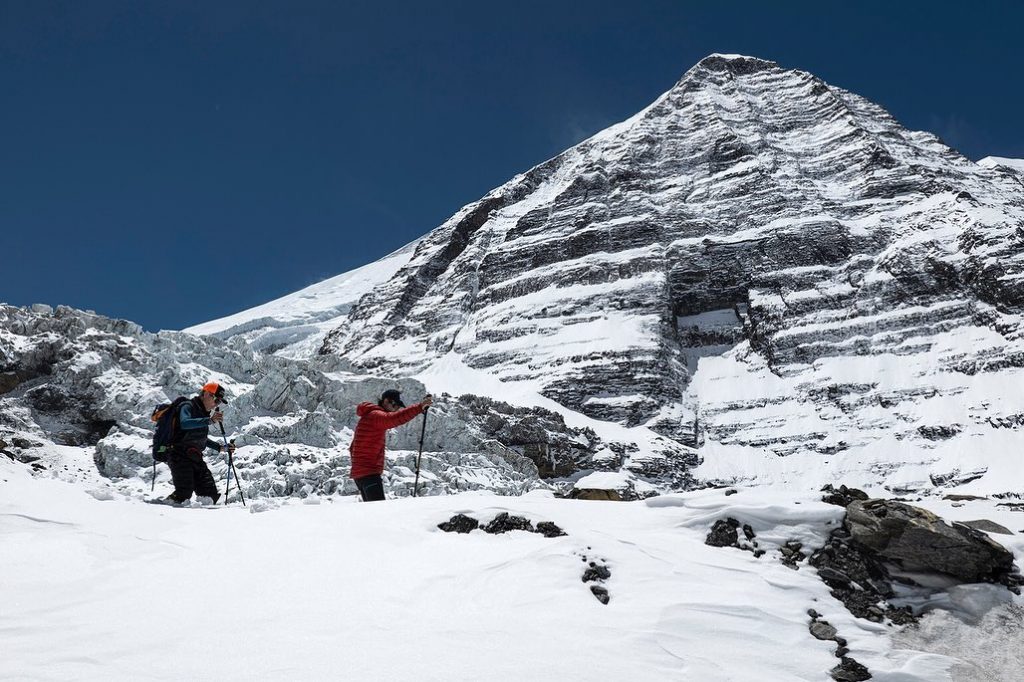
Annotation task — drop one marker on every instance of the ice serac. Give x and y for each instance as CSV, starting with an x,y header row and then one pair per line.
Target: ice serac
x,y
757,260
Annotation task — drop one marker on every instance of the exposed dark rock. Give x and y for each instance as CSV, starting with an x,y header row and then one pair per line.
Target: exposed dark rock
x,y
723,533
920,539
550,530
941,432
460,523
987,526
849,670
24,458
596,572
601,593
504,523
822,630
843,496
598,494
8,381
791,554
834,578
857,578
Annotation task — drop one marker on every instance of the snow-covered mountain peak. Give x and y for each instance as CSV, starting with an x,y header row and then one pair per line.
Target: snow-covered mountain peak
x,y
751,212
737,64
295,324
759,265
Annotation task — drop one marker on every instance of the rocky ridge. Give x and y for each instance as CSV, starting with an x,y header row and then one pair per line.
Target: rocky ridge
x,y
74,379
757,261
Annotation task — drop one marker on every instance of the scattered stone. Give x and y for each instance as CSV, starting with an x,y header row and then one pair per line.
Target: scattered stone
x,y
962,498
857,578
550,530
849,670
791,554
504,523
723,533
731,491
25,443
843,496
597,573
833,577
813,614
460,523
822,630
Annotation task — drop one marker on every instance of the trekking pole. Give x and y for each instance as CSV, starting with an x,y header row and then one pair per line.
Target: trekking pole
x,y
231,467
238,481
423,432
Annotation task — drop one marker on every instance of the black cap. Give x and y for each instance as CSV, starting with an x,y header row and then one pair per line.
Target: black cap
x,y
216,390
393,395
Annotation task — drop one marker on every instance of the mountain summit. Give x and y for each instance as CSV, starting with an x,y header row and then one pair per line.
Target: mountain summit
x,y
759,265
754,237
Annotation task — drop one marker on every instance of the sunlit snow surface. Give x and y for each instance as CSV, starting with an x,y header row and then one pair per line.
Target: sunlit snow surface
x,y
299,321
115,589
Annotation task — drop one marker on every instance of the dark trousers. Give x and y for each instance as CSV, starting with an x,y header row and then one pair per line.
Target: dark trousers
x,y
190,474
371,488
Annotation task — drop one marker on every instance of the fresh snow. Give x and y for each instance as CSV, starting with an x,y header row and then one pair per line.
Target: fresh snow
x,y
97,585
301,319
993,161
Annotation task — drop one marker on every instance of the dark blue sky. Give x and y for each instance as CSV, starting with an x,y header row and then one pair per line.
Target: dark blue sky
x,y
174,162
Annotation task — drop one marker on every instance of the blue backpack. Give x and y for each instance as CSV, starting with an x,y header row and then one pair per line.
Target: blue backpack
x,y
165,415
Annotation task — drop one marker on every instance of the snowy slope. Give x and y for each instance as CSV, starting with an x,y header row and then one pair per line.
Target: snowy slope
x,y
295,325
1001,161
101,587
760,264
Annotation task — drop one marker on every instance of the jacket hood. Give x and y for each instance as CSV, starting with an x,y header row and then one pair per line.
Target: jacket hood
x,y
364,409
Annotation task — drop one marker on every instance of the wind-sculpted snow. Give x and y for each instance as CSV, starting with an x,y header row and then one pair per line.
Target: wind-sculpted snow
x,y
758,260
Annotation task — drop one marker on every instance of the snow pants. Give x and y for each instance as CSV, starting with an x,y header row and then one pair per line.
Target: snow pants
x,y
371,488
190,474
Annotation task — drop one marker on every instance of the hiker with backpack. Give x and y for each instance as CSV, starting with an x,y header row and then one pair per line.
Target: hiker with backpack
x,y
184,426
367,448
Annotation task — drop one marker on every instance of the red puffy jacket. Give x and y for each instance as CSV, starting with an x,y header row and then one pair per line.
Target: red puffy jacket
x,y
367,447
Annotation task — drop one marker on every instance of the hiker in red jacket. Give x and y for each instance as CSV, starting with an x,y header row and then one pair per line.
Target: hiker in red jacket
x,y
367,447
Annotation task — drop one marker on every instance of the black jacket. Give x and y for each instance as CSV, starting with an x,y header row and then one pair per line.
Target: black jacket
x,y
194,422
